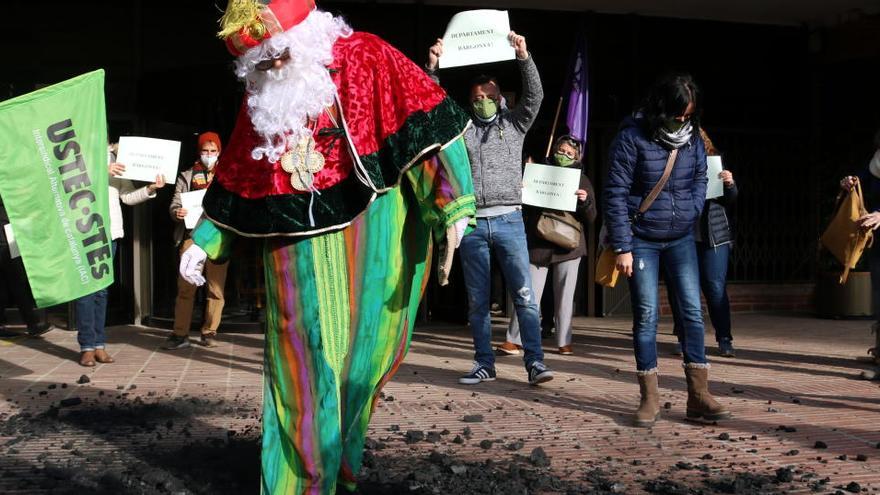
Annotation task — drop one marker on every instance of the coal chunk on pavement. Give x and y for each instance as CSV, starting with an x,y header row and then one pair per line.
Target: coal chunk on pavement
x,y
747,482
539,458
473,418
414,436
820,445
853,487
666,487
372,444
83,379
71,401
784,475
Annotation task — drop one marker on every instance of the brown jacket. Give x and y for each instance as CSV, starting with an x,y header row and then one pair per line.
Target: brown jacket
x,y
545,253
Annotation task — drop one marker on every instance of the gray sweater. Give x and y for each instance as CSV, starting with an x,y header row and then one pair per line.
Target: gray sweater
x,y
495,148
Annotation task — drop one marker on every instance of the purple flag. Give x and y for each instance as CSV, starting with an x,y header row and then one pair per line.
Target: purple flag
x,y
579,93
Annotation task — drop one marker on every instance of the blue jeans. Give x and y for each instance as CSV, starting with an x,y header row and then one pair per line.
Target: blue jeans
x,y
678,259
713,280
91,314
506,236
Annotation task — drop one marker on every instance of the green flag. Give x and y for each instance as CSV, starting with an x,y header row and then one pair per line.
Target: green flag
x,y
54,184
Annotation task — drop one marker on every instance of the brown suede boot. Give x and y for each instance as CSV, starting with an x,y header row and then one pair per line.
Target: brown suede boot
x,y
700,403
649,406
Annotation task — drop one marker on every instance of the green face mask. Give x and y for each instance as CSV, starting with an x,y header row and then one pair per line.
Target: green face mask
x,y
673,125
485,108
563,159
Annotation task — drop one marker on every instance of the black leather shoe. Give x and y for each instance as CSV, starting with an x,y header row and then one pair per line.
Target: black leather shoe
x,y
7,334
40,329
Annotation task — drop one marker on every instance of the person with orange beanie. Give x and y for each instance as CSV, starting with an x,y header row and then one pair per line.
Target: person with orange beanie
x,y
199,176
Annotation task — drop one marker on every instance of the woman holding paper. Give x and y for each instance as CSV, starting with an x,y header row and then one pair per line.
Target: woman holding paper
x,y
714,236
654,194
544,255
196,178
91,310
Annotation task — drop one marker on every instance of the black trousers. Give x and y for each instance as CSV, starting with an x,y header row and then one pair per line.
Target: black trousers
x,y
14,286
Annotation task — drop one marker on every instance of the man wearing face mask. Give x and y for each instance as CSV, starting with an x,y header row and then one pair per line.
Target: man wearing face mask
x,y
199,176
494,145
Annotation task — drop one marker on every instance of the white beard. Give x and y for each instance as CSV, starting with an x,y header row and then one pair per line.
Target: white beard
x,y
281,101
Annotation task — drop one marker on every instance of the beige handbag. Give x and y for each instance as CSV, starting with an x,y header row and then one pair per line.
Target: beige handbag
x,y
606,268
843,237
560,228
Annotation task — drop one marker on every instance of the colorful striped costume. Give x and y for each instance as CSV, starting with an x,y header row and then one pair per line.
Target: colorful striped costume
x,y
344,269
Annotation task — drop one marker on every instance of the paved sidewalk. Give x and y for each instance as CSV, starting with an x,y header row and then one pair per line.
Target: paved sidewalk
x,y
163,422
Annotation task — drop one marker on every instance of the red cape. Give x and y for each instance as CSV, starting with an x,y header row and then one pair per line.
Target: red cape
x,y
378,89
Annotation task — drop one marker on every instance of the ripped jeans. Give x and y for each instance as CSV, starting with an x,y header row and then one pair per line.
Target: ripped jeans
x,y
681,271
505,236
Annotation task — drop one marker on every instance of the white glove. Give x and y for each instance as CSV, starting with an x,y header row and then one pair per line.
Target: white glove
x,y
192,261
460,227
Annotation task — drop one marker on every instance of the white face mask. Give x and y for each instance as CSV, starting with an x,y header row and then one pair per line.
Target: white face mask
x,y
209,160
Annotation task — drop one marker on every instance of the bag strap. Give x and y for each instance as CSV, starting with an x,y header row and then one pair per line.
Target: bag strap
x,y
660,183
860,197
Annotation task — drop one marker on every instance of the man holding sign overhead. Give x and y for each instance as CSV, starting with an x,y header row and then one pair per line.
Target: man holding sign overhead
x,y
494,145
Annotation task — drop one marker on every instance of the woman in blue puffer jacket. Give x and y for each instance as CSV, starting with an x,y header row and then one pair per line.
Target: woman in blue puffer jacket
x,y
662,236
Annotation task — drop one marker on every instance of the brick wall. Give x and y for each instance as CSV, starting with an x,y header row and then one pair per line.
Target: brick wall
x,y
761,297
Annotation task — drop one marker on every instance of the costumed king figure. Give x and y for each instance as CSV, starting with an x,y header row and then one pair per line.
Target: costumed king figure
x,y
347,161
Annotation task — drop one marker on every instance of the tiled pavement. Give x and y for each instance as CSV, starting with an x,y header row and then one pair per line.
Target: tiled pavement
x,y
792,370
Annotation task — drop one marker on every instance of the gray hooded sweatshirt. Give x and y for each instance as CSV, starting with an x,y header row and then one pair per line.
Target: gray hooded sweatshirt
x,y
495,148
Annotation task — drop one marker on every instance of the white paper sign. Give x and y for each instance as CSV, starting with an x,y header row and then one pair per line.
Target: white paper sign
x,y
10,239
145,158
715,187
477,37
192,203
551,187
